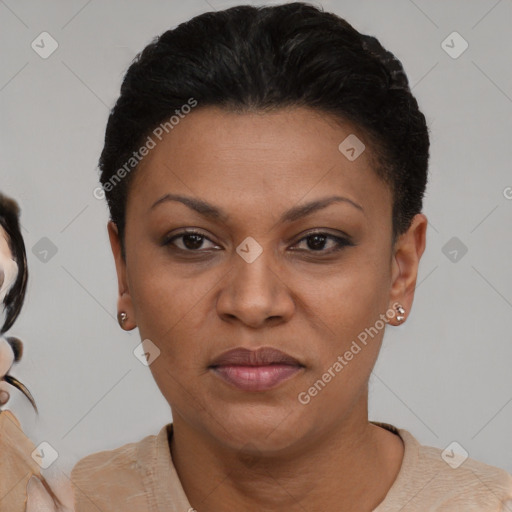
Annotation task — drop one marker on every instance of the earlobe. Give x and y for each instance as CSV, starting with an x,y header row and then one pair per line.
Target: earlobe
x,y
405,263
124,302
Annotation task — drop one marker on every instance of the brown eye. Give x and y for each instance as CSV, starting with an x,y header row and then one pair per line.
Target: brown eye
x,y
191,241
317,242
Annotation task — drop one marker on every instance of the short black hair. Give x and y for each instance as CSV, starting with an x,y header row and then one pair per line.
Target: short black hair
x,y
9,220
247,59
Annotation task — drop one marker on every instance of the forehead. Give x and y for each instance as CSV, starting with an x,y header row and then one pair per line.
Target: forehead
x,y
270,158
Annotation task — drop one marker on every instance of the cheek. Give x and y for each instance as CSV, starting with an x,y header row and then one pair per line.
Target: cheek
x,y
346,313
157,292
351,298
168,312
170,308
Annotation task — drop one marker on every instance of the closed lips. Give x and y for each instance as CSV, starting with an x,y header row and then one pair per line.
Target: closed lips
x,y
261,357
255,370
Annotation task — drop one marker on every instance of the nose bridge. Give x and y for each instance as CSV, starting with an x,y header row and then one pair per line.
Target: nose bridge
x,y
253,291
252,274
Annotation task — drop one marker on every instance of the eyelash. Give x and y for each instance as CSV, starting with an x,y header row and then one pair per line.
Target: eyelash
x,y
340,241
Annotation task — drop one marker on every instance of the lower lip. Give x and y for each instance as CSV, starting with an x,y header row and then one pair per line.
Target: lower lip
x,y
256,378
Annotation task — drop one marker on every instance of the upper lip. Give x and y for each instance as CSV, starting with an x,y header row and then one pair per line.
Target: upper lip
x,y
262,356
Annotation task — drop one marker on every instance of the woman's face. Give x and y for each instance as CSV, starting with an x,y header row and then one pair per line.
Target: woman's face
x,y
255,275
8,267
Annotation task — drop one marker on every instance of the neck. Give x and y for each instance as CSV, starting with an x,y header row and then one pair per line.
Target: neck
x,y
349,467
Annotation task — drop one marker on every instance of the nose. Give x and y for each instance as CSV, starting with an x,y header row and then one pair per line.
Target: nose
x,y
256,293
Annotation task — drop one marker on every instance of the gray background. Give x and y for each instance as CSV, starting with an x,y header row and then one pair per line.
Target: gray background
x,y
445,374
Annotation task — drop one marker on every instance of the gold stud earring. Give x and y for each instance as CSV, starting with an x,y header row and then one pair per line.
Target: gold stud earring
x,y
121,318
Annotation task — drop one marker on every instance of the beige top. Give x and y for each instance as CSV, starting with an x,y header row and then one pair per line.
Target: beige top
x,y
22,485
16,464
141,477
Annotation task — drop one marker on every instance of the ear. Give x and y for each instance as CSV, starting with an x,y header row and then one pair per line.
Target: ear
x,y
124,301
407,253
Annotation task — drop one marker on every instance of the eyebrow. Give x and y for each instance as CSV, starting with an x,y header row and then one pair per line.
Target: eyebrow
x,y
297,212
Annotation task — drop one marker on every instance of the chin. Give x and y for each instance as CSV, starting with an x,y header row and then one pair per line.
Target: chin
x,y
257,427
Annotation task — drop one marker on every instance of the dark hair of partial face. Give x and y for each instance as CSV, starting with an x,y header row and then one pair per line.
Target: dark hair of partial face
x,y
259,59
9,220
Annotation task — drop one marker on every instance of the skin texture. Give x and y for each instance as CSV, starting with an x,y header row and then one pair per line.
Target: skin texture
x,y
6,361
8,267
265,450
8,273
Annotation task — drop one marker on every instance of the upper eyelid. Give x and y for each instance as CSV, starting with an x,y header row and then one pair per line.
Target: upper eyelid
x,y
323,231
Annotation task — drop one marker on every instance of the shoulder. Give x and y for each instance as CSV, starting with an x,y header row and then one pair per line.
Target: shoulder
x,y
114,476
18,453
17,463
454,466
453,481
125,458
137,477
